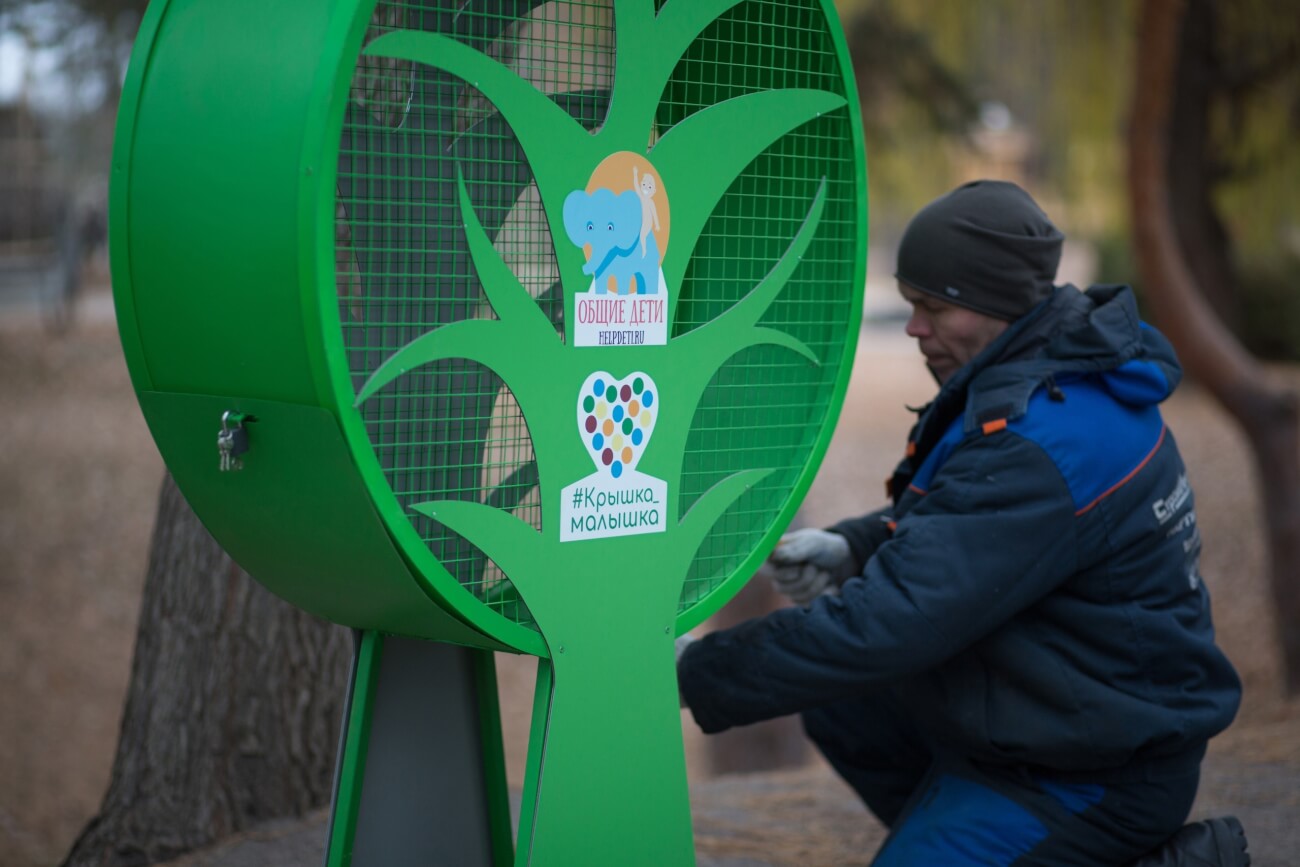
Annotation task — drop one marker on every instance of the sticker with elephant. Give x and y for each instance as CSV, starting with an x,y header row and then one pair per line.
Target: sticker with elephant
x,y
621,223
616,418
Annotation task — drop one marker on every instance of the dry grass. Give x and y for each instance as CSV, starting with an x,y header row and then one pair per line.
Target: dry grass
x,y
80,473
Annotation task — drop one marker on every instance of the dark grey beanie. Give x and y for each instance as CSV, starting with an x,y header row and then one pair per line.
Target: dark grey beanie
x,y
986,246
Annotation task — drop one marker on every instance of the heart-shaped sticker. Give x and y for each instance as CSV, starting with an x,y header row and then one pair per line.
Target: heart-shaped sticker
x,y
616,418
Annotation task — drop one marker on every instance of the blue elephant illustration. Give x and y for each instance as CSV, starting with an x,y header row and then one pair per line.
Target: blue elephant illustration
x,y
607,226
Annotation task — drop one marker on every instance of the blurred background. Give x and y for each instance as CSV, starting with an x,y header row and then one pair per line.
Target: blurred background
x,y
1035,91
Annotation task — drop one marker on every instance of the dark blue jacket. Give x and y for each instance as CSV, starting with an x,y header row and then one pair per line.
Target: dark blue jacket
x,y
1036,597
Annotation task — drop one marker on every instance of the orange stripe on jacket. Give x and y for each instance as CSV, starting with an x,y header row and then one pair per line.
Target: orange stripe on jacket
x,y
1122,482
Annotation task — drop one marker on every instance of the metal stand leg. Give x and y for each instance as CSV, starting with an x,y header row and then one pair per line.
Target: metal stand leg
x,y
421,772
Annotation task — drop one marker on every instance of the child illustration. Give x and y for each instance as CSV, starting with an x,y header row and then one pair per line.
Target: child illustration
x,y
645,189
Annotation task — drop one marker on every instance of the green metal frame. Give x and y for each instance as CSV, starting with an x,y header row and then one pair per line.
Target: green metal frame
x,y
224,279
352,755
561,153
186,188
226,336
356,742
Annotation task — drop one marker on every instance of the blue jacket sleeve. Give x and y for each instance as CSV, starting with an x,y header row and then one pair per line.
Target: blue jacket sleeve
x,y
994,534
865,534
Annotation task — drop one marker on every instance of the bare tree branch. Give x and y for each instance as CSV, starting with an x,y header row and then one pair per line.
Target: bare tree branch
x,y
1268,413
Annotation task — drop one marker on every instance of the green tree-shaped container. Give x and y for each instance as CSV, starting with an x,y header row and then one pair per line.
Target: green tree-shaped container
x,y
538,316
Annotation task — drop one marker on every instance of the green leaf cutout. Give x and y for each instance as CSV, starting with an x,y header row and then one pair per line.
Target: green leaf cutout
x,y
486,341
508,297
736,329
653,57
749,125
501,344
512,544
541,126
706,511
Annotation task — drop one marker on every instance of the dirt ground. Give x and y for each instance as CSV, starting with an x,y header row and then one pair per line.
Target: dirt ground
x,y
81,477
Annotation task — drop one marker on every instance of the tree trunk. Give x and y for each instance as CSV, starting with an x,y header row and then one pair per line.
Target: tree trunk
x,y
1193,166
233,708
1269,414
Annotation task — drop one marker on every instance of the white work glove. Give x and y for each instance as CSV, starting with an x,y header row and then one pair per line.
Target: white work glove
x,y
809,562
683,642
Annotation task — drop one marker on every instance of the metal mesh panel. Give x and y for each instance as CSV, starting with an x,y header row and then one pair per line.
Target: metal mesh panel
x,y
452,429
764,407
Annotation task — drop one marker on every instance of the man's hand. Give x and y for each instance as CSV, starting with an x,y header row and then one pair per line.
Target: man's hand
x,y
808,563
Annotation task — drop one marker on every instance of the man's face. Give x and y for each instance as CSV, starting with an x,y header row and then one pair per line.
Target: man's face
x,y
947,335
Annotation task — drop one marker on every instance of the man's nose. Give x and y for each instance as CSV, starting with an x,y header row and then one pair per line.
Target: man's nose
x,y
917,324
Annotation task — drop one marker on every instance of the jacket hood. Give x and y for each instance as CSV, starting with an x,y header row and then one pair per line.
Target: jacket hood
x,y
1102,333
1096,332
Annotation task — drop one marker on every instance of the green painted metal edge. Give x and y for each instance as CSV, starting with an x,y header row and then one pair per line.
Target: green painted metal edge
x,y
577,689
318,169
351,772
610,773
494,758
321,151
198,188
720,595
438,583
536,742
318,172
331,555
119,197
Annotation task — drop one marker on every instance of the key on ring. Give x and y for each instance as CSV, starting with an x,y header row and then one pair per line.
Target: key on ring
x,y
232,441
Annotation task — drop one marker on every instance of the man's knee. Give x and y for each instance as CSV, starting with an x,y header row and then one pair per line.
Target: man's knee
x,y
872,730
873,751
824,730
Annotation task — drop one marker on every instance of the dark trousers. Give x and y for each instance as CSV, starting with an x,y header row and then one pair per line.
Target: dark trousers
x,y
944,809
